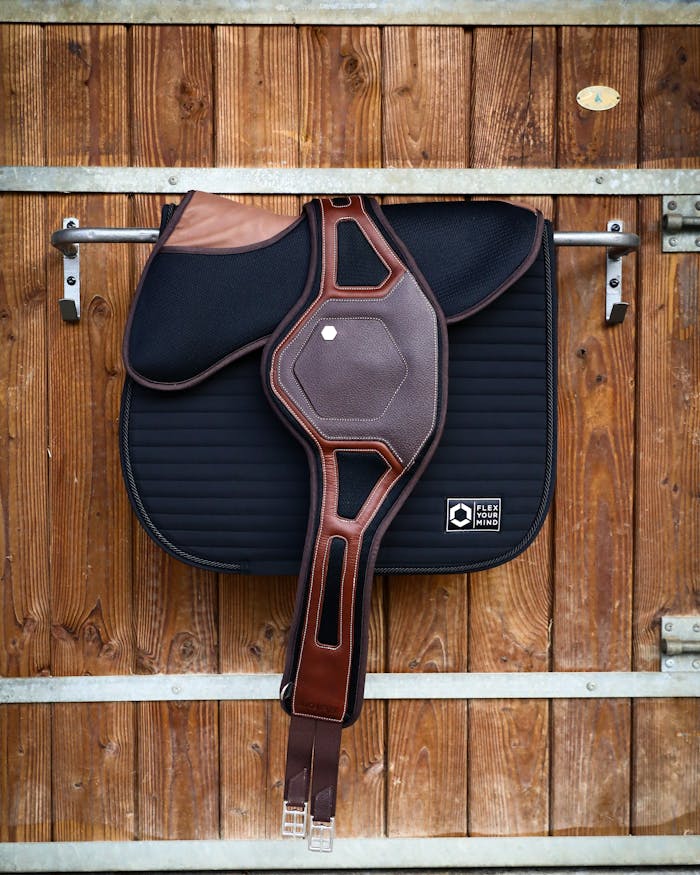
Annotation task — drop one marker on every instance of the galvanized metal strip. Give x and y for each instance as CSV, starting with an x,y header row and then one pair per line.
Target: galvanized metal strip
x,y
468,685
357,854
349,180
437,12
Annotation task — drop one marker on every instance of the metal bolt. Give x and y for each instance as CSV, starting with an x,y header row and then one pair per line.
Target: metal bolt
x,y
177,690
696,627
614,283
672,205
668,626
697,205
669,663
696,663
599,179
172,180
70,280
590,686
697,241
615,227
673,241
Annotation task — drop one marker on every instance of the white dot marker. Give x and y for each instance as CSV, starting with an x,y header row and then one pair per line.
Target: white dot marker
x,y
328,332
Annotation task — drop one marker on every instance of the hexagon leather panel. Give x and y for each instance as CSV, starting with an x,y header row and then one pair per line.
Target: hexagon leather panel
x,y
350,368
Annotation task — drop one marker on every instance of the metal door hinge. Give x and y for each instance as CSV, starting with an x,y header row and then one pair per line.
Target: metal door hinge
x,y
680,644
680,225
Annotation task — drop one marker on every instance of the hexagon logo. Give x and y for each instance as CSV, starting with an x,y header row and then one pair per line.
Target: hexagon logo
x,y
460,515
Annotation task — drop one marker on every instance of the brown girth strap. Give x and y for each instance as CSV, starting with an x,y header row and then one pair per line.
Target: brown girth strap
x,y
355,371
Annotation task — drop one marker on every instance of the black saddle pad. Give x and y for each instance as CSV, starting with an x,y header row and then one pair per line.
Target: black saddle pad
x,y
217,481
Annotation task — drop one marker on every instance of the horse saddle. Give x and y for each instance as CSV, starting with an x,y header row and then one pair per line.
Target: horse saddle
x,y
356,389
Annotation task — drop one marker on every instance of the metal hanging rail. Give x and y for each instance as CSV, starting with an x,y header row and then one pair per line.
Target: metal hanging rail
x,y
69,239
66,239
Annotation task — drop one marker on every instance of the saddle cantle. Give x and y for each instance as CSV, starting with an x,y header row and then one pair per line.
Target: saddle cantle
x,y
421,397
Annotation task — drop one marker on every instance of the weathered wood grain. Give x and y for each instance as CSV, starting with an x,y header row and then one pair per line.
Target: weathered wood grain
x,y
86,108
514,94
423,125
171,96
257,89
426,123
257,112
25,746
514,97
598,56
21,94
175,606
666,791
255,614
92,628
593,530
340,97
25,731
93,746
594,500
427,763
669,88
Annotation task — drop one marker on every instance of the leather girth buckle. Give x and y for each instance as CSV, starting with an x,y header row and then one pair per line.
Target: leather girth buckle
x,y
313,752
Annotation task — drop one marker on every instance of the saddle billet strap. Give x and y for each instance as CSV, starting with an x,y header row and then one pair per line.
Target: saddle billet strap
x,y
357,372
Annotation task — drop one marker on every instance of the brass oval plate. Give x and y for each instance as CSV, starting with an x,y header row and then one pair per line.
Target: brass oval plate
x,y
597,97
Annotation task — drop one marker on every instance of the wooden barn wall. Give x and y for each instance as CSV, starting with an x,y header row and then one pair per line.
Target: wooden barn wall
x,y
85,591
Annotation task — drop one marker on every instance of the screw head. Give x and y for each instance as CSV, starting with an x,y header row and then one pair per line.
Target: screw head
x,y
696,663
70,280
696,627
614,283
172,180
590,686
177,690
599,179
668,626
672,205
673,241
669,663
615,227
697,241
71,224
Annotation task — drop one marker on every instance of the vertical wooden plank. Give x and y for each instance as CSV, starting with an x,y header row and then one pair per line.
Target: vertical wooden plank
x,y
25,730
426,124
340,122
666,793
257,112
93,745
594,500
175,606
598,56
22,94
171,81
513,124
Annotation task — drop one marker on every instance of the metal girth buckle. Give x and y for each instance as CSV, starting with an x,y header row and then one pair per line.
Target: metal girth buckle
x,y
294,820
321,835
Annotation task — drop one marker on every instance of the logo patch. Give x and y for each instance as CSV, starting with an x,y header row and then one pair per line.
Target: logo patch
x,y
473,515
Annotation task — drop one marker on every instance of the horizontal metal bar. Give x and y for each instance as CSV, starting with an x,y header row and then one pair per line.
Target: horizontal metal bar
x,y
357,854
437,12
65,239
467,685
349,180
